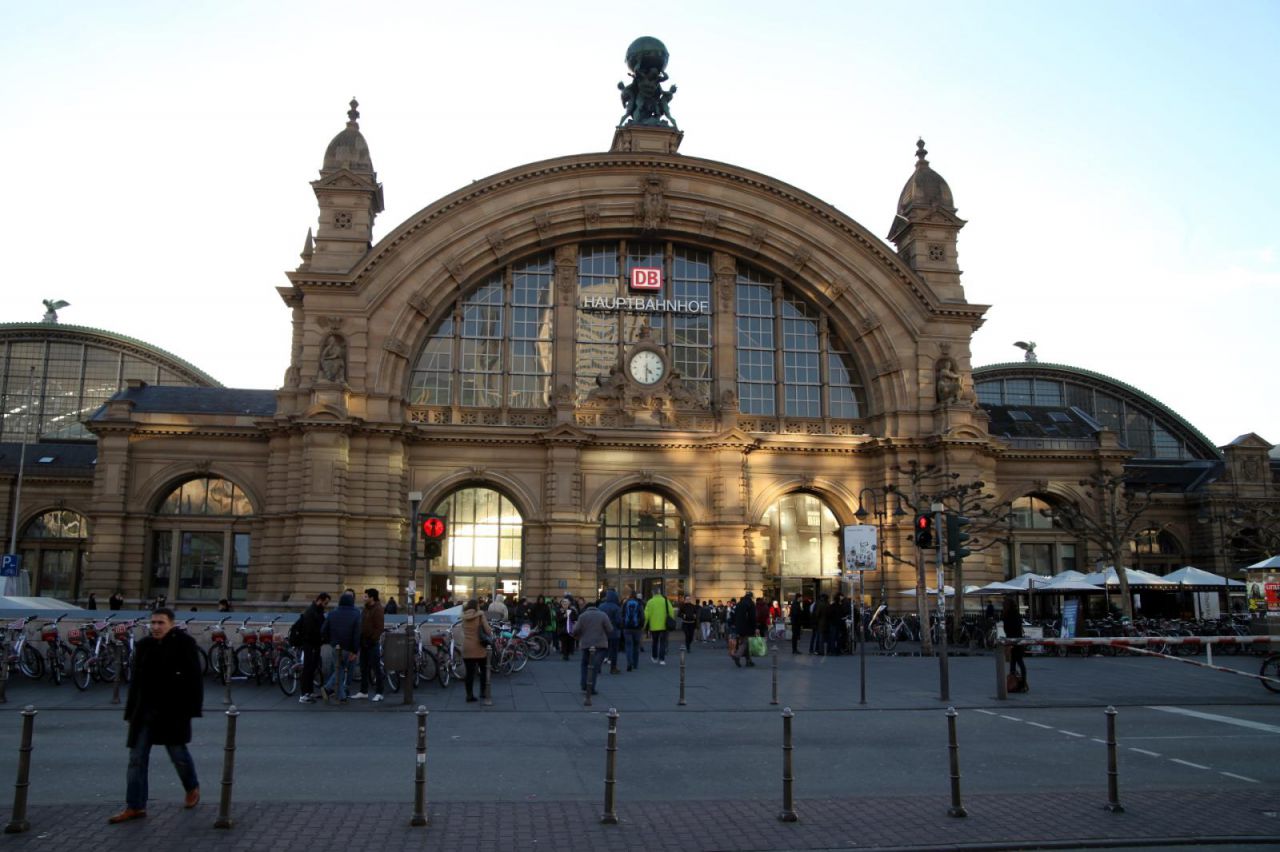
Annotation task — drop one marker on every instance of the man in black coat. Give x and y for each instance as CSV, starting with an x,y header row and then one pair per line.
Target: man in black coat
x,y
312,623
744,622
165,694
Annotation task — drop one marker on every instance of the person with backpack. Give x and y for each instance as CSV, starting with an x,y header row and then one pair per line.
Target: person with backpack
x,y
688,621
659,617
305,637
342,630
632,628
609,606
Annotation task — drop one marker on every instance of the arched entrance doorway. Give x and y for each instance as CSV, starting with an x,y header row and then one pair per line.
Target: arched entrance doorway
x,y
53,549
643,543
801,548
484,552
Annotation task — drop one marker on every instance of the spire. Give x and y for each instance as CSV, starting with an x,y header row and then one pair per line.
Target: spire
x,y
926,223
308,251
353,114
350,199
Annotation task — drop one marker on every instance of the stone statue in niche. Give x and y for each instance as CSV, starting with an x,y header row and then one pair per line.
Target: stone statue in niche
x,y
333,359
948,379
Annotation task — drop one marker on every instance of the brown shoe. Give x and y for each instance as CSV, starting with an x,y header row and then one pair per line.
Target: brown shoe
x,y
126,815
192,799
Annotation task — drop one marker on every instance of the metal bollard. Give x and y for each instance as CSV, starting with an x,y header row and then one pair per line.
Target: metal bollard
x,y
18,821
591,671
228,770
956,809
4,673
788,813
1002,674
227,662
411,671
486,695
610,816
681,702
1113,774
774,700
115,681
420,771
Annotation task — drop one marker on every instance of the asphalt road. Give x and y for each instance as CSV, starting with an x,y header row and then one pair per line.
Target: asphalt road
x,y
1179,728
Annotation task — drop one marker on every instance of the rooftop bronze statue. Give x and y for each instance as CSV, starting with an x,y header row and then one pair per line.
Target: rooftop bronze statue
x,y
643,99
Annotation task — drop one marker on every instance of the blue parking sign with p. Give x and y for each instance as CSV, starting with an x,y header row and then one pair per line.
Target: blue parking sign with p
x,y
10,565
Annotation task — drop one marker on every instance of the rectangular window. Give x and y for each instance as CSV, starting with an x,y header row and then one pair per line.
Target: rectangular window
x,y
200,560
990,393
1017,392
1048,393
239,566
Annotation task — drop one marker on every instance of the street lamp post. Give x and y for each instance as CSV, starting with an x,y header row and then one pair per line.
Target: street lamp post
x,y
880,510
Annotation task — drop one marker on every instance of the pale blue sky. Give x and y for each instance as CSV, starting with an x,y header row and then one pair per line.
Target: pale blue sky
x,y
1113,159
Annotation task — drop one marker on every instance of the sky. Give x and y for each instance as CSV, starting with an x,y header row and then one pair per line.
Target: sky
x,y
1111,158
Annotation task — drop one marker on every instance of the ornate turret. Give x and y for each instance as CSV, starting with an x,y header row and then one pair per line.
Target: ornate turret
x,y
350,199
926,227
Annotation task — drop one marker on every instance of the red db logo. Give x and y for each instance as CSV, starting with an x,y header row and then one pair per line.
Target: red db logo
x,y
646,278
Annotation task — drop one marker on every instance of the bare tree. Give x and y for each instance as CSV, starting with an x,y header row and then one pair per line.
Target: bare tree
x,y
1114,511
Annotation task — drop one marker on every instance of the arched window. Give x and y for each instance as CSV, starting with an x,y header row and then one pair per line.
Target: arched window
x,y
53,547
642,544
200,543
801,550
1039,542
484,549
1156,550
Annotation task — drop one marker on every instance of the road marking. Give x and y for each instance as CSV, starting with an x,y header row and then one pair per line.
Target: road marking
x,y
1070,733
1188,763
1010,718
1240,777
1144,751
1226,720
1038,725
987,712
1096,740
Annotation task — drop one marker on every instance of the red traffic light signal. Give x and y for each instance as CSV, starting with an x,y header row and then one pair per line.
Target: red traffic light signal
x,y
434,527
924,530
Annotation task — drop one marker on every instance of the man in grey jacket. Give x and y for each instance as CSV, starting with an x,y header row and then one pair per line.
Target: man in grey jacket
x,y
592,629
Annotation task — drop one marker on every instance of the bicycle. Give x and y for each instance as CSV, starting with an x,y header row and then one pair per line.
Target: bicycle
x,y
58,655
20,654
221,660
288,670
777,630
89,658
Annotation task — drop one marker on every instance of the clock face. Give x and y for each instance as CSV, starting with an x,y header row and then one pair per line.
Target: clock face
x,y
646,367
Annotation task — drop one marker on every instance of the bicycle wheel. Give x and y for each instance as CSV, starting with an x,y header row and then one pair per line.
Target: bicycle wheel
x,y
81,669
30,663
220,663
539,647
204,660
391,678
890,639
1271,669
426,668
521,659
59,663
246,662
287,673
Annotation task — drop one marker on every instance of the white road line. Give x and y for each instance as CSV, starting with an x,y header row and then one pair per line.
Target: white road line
x,y
1010,718
1070,733
1096,740
1188,763
987,712
1038,725
1240,777
1144,751
1226,720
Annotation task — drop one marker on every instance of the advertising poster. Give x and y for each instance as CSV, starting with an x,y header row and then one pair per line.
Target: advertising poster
x,y
860,547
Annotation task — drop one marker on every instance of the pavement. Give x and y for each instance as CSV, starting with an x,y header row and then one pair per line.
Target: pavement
x,y
1197,761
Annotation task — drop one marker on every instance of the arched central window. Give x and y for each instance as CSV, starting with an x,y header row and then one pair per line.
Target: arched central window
x,y
1038,541
642,543
484,549
801,550
200,545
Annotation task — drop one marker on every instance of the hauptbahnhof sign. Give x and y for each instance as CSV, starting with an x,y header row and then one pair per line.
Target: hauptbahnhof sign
x,y
645,278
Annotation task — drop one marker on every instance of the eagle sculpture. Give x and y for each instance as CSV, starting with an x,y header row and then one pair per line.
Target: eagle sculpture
x,y
1029,346
51,308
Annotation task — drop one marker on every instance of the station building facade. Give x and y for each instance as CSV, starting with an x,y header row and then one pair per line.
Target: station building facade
x,y
628,368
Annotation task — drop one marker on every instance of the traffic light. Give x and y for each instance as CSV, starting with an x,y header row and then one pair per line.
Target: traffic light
x,y
924,530
956,537
434,530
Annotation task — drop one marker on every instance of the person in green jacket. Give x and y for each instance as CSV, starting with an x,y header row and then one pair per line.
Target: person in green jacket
x,y
657,611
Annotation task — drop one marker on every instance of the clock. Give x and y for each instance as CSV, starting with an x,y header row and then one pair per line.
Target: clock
x,y
646,367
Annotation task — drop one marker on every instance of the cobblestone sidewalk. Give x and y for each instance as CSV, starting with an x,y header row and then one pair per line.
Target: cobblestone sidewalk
x,y
1042,820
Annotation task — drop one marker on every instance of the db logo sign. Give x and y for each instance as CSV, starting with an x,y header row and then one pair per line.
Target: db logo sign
x,y
646,278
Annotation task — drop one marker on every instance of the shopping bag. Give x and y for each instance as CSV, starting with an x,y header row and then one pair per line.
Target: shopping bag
x,y
757,646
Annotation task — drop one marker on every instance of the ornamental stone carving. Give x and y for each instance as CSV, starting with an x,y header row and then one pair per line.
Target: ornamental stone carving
x,y
652,210
333,359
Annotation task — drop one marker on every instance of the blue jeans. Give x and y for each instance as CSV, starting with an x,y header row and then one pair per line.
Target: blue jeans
x,y
140,758
340,677
596,663
633,638
659,638
371,667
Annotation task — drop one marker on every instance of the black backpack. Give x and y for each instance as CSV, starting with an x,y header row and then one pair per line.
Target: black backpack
x,y
298,632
